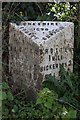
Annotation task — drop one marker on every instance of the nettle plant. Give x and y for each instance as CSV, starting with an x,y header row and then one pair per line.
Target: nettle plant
x,y
48,104
52,107
67,89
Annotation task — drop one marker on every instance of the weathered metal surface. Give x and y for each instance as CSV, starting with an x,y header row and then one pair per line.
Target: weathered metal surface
x,y
38,48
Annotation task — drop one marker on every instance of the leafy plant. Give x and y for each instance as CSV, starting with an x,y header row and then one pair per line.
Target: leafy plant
x,y
46,100
66,88
6,97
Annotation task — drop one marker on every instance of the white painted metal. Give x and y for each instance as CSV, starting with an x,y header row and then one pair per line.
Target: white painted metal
x,y
55,41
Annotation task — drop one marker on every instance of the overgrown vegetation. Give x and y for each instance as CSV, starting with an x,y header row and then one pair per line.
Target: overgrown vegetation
x,y
47,106
58,99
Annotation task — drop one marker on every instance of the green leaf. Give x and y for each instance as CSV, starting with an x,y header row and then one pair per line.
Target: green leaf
x,y
9,96
5,111
48,104
66,77
72,114
53,84
64,111
23,114
2,95
5,85
69,114
39,101
15,108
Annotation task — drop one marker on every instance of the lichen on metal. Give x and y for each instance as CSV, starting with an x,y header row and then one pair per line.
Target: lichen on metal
x,y
39,47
